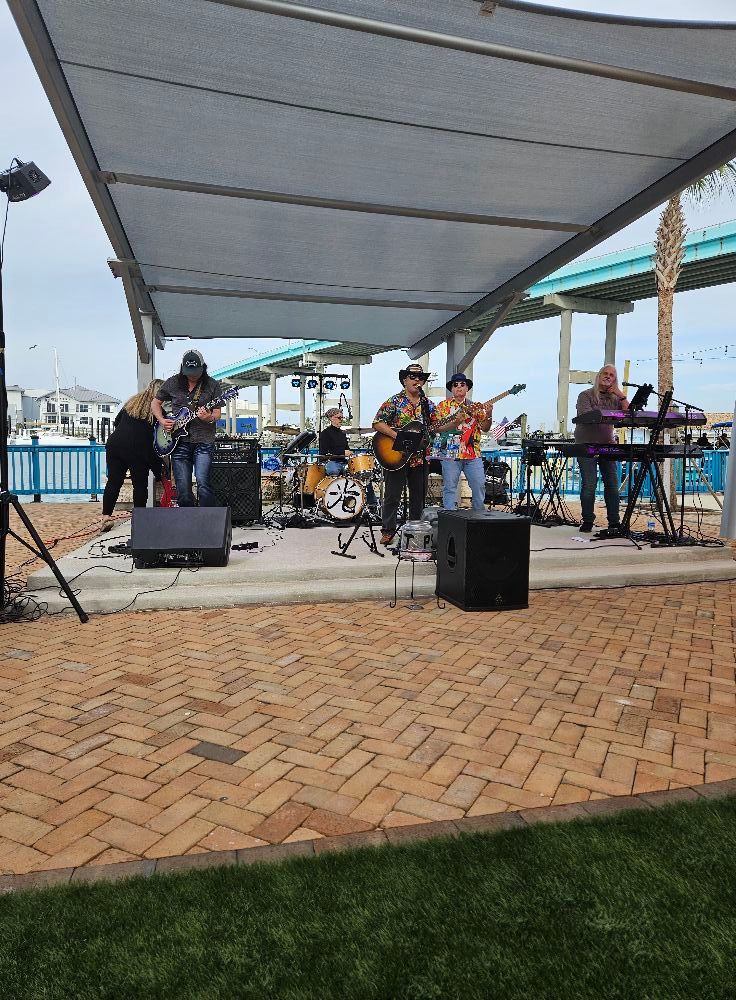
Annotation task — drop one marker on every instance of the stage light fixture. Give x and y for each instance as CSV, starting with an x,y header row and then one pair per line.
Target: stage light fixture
x,y
296,382
22,181
330,385
345,384
311,383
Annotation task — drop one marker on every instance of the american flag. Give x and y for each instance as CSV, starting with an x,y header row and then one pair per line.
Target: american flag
x,y
499,430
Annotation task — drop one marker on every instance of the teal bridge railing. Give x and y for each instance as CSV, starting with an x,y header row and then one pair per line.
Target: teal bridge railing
x,y
40,470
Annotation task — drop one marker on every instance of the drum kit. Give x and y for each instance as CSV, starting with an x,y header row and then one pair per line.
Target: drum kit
x,y
308,496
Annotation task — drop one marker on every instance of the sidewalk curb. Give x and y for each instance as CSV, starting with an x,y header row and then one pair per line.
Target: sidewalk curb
x,y
398,835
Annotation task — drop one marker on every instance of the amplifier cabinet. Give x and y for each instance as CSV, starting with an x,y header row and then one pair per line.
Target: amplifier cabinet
x,y
483,560
237,485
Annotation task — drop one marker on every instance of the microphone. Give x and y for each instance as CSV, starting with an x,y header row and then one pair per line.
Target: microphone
x,y
347,405
631,385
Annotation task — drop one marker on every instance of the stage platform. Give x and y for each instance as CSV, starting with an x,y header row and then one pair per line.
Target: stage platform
x,y
295,565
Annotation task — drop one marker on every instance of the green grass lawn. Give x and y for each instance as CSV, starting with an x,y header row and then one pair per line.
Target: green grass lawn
x,y
642,905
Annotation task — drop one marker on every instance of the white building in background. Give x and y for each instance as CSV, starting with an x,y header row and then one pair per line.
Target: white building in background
x,y
15,405
80,406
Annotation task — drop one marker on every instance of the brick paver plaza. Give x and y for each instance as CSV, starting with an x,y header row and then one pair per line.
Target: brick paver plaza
x,y
152,734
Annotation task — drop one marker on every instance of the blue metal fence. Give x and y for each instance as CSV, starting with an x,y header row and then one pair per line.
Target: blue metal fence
x,y
39,470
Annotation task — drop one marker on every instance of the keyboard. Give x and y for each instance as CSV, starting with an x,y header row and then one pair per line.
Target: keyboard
x,y
624,452
644,418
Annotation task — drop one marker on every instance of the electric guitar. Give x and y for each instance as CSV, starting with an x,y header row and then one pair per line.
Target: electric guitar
x,y
393,454
165,441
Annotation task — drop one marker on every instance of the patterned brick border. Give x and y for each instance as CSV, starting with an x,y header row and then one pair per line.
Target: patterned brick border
x,y
373,838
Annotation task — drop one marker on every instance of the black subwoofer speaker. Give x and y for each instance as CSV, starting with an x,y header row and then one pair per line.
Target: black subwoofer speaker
x,y
483,560
237,485
161,535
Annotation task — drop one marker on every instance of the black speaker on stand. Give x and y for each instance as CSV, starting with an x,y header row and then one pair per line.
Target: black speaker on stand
x,y
483,560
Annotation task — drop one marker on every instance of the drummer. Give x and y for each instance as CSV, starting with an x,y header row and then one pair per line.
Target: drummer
x,y
333,443
334,449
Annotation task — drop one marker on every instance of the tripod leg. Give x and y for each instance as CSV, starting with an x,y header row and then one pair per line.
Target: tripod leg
x,y
44,553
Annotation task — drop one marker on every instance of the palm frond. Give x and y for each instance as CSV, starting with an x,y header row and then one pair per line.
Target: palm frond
x,y
720,182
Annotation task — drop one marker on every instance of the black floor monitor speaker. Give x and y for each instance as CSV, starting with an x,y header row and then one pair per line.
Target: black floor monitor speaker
x,y
237,485
166,536
483,560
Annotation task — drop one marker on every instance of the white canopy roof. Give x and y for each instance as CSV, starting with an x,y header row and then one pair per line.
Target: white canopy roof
x,y
383,172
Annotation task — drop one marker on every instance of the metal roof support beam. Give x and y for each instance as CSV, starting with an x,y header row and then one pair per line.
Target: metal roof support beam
x,y
337,359
369,208
120,269
341,300
656,194
482,48
488,331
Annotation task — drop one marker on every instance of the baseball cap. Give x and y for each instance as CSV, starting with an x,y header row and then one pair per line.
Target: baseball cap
x,y
192,364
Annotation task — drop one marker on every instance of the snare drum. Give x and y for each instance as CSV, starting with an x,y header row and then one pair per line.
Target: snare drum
x,y
340,497
310,475
361,465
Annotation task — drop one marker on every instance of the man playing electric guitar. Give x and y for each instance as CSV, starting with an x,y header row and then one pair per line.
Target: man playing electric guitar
x,y
459,450
405,407
191,388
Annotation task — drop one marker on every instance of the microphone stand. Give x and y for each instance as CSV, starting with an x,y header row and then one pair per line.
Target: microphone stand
x,y
688,409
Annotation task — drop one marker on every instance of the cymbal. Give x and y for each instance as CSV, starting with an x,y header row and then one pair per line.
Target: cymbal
x,y
359,430
281,429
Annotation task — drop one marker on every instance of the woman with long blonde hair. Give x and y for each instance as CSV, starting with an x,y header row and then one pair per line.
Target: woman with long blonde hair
x,y
130,448
605,395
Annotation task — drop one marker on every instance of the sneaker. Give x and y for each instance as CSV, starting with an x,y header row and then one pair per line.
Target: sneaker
x,y
586,527
386,539
107,523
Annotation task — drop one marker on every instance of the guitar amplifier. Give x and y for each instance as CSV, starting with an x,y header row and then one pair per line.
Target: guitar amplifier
x,y
237,485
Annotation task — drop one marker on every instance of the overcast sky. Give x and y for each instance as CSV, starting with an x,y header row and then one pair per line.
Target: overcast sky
x,y
59,292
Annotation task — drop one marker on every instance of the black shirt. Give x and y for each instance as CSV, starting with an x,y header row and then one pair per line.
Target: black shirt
x,y
333,441
132,440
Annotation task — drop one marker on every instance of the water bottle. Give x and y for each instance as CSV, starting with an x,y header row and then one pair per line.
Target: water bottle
x,y
651,525
453,447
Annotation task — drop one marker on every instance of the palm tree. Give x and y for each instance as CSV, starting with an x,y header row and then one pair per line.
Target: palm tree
x,y
669,255
668,259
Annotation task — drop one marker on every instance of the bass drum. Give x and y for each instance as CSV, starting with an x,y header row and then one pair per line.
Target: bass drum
x,y
340,497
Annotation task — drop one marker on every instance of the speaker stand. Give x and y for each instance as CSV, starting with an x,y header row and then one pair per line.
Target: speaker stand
x,y
412,607
8,500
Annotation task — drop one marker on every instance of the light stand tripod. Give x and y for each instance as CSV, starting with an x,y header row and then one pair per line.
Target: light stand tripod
x,y
8,499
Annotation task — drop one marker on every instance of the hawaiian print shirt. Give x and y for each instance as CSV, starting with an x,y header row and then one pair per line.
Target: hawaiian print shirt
x,y
398,411
461,442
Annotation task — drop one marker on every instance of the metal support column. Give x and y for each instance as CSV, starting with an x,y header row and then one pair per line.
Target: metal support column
x,y
272,400
728,518
259,415
145,369
563,372
609,356
355,395
455,353
302,405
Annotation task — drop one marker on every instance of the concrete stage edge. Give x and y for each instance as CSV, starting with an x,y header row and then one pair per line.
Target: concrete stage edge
x,y
296,565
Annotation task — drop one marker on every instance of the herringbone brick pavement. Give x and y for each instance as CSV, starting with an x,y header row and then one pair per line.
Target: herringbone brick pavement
x,y
151,734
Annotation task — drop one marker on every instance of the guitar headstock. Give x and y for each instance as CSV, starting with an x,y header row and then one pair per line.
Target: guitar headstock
x,y
515,389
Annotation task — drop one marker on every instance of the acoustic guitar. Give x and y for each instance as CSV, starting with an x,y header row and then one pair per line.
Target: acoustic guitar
x,y
165,441
392,454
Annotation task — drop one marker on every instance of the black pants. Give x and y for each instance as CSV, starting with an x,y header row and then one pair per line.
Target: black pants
x,y
117,466
393,487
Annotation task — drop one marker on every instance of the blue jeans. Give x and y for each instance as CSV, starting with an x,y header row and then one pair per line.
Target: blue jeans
x,y
338,468
475,475
611,476
186,457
